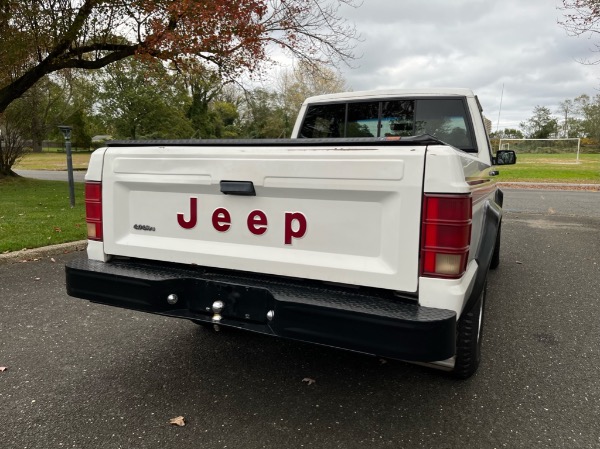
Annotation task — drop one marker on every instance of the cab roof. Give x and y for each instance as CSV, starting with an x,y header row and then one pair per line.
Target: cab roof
x,y
392,93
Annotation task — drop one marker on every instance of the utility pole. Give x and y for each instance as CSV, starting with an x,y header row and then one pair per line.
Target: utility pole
x,y
66,130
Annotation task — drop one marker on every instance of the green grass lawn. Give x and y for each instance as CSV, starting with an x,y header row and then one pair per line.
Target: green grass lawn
x,y
37,213
53,161
552,168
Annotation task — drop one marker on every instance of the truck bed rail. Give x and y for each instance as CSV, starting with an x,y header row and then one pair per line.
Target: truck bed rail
x,y
422,140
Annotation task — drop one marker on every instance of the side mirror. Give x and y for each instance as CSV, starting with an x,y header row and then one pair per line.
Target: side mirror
x,y
505,157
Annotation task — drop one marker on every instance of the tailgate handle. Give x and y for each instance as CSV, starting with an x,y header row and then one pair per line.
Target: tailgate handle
x,y
244,188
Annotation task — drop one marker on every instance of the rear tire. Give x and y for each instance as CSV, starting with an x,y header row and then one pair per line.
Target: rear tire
x,y
468,338
496,256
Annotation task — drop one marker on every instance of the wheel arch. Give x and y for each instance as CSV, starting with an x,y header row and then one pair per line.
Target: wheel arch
x,y
492,218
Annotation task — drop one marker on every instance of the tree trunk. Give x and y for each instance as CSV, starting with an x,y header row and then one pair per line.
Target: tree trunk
x,y
36,145
8,173
36,130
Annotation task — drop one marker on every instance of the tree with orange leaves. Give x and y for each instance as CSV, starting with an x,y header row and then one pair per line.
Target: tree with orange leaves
x,y
40,37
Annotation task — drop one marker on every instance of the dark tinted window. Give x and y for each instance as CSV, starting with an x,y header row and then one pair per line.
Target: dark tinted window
x,y
363,119
444,119
397,118
323,121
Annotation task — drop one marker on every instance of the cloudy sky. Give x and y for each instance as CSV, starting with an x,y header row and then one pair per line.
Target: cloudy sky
x,y
479,44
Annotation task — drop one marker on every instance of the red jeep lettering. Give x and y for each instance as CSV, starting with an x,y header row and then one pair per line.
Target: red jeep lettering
x,y
221,219
292,218
257,222
295,223
193,215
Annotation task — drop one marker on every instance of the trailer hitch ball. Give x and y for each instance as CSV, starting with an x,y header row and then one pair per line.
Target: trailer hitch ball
x,y
217,308
172,299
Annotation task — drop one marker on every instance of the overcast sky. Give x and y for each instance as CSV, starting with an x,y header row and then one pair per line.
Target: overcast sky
x,y
478,44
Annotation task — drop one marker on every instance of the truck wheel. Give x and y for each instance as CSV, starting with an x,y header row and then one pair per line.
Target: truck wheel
x,y
496,256
468,339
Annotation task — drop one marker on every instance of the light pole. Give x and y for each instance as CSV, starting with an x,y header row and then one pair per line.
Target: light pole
x,y
66,130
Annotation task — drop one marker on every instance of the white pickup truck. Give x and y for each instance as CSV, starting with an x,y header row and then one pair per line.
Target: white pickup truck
x,y
371,230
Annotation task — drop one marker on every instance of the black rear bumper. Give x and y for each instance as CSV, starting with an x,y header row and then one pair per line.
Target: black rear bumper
x,y
365,320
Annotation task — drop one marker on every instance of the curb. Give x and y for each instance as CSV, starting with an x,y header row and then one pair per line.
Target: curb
x,y
27,255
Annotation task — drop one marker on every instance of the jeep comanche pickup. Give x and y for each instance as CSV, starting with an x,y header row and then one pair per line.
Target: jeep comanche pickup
x,y
371,230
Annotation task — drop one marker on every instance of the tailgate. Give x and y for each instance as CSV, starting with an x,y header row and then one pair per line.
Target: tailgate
x,y
346,215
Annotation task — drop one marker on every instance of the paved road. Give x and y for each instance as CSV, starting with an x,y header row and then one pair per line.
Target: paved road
x,y
86,376
52,175
553,202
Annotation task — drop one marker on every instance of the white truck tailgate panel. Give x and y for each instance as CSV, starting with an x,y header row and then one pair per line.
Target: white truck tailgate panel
x,y
349,215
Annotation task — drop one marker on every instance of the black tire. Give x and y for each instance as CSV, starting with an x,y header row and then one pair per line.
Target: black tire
x,y
496,256
468,339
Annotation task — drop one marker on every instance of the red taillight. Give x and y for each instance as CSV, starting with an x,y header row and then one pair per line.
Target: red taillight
x,y
445,235
93,210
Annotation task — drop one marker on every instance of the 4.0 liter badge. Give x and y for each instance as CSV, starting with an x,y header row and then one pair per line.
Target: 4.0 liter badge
x,y
139,227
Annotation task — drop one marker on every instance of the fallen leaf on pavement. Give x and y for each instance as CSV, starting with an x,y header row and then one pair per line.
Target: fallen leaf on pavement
x,y
3,368
179,421
309,381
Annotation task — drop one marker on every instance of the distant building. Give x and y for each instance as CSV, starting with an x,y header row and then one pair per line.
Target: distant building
x,y
488,125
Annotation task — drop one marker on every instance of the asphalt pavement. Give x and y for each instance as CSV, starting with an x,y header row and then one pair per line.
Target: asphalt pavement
x,y
82,375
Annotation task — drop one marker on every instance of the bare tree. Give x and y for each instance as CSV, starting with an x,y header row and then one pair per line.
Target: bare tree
x,y
582,17
12,147
305,80
566,107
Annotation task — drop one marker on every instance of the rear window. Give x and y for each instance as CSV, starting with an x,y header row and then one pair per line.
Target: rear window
x,y
326,120
445,119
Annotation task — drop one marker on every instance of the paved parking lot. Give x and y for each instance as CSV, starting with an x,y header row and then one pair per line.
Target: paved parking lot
x,y
87,376
52,175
